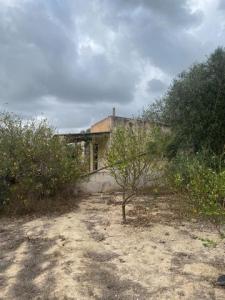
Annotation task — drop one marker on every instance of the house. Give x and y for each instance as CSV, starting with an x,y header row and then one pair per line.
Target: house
x,y
95,140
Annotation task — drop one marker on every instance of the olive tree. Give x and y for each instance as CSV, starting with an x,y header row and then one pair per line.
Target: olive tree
x,y
130,161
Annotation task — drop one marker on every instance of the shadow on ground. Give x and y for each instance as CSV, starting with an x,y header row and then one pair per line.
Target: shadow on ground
x,y
102,273
23,259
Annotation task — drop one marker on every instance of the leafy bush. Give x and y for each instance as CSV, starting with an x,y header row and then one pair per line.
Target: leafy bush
x,y
177,173
35,164
204,187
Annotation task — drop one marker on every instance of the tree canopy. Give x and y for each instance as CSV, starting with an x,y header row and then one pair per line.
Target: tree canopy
x,y
194,106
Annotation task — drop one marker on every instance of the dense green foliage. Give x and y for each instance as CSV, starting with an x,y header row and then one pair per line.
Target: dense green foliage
x,y
34,163
194,106
194,109
201,184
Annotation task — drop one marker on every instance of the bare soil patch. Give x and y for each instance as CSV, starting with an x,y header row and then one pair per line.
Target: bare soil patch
x,y
86,253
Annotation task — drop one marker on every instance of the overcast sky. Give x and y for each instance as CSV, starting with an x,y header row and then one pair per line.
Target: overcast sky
x,y
73,60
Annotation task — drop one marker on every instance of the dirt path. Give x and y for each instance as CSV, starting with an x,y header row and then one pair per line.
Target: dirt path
x,y
88,254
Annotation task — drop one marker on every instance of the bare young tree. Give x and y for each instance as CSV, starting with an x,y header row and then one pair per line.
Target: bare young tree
x,y
129,161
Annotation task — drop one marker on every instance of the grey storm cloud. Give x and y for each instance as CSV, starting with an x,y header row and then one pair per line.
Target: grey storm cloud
x,y
39,57
169,12
158,30
156,86
72,61
221,5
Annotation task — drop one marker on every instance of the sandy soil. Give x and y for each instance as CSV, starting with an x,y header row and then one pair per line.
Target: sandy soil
x,y
88,254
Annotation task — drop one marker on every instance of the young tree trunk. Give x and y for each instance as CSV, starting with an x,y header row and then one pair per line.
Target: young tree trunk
x,y
124,212
124,207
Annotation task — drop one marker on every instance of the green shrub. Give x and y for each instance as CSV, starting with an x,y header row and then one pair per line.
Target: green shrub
x,y
177,173
202,185
34,162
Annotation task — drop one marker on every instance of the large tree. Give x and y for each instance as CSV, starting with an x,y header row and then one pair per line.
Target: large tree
x,y
194,106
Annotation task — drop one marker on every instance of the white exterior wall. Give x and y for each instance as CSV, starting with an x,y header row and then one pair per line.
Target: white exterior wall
x,y
99,182
103,182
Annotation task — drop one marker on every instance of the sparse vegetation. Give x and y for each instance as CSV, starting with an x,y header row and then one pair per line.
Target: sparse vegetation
x,y
133,157
208,243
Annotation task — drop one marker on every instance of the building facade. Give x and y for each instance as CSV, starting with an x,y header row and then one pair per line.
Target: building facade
x,y
95,140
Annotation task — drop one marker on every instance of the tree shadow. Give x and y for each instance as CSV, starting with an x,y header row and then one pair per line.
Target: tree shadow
x,y
102,274
10,240
37,262
25,261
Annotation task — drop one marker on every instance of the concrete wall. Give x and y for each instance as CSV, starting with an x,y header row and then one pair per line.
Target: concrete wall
x,y
103,182
102,126
110,122
98,183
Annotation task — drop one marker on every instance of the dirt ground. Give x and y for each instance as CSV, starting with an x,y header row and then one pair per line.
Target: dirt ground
x,y
88,254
